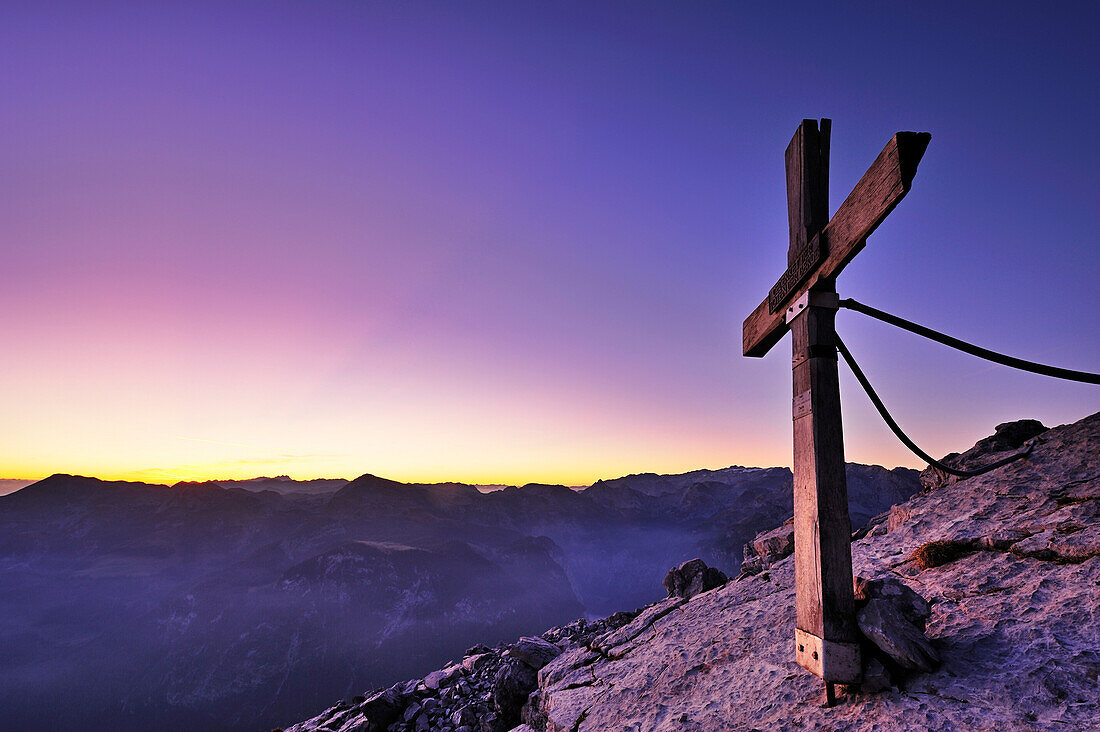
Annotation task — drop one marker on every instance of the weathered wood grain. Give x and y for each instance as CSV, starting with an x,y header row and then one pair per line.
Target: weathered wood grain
x,y
807,165
824,605
826,639
875,195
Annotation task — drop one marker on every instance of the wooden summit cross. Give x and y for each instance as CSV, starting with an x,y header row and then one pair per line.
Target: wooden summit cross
x,y
804,300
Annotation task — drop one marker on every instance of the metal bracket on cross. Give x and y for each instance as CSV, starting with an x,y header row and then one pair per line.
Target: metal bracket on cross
x,y
829,300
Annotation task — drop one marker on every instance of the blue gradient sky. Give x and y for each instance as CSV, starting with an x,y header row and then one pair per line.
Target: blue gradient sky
x,y
516,241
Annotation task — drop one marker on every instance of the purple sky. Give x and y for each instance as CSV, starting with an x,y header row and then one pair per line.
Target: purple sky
x,y
516,241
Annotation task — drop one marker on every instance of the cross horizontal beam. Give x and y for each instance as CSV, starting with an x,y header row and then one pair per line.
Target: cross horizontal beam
x,y
875,195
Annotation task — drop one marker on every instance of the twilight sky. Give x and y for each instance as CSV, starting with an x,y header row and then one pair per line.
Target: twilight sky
x,y
502,242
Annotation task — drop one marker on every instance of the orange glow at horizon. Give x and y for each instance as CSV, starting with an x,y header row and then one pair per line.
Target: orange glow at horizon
x,y
231,399
163,396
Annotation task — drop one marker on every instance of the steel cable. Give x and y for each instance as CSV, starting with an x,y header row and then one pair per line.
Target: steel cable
x,y
885,414
1011,361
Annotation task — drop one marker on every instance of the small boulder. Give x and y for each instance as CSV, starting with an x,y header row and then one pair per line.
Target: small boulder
x,y
775,544
693,577
767,548
535,652
472,663
903,642
383,709
1006,437
911,604
452,672
434,679
1011,435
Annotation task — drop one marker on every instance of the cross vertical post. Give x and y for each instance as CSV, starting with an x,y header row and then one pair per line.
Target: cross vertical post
x,y
825,625
825,637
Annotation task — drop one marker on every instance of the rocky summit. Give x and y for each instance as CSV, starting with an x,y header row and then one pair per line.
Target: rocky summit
x,y
979,605
489,689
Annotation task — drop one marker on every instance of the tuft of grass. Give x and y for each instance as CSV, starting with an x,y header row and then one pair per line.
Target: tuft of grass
x,y
938,553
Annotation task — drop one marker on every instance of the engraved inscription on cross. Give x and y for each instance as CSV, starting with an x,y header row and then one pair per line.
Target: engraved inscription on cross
x,y
804,301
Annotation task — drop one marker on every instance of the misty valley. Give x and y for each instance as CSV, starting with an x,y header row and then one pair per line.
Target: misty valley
x,y
243,605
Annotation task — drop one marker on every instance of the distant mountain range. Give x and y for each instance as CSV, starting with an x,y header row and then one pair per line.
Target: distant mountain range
x,y
237,604
285,485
